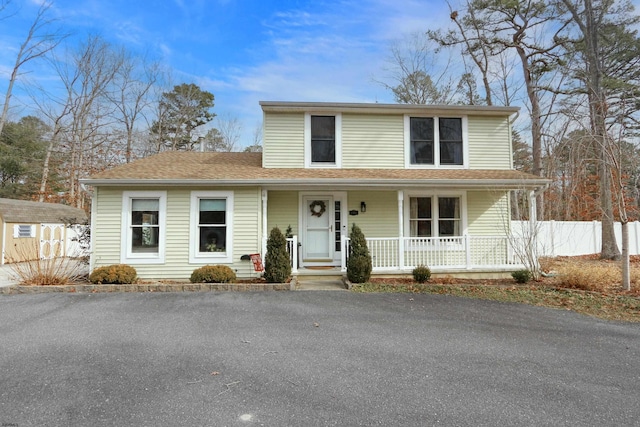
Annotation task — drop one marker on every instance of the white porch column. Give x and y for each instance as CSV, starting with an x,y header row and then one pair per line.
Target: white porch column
x,y
400,230
263,244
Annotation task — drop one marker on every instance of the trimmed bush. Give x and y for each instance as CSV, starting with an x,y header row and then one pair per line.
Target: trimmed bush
x,y
421,273
117,274
277,265
359,262
213,274
521,276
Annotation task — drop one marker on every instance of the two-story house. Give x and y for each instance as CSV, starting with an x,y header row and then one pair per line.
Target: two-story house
x,y
428,185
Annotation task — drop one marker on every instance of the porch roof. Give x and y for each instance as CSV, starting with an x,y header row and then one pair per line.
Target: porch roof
x,y
244,169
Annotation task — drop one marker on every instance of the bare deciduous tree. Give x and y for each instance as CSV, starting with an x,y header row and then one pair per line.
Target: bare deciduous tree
x,y
37,43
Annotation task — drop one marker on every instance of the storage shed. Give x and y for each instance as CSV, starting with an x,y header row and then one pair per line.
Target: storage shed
x,y
30,230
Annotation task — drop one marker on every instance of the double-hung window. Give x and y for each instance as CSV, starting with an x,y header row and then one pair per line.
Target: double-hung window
x,y
323,140
143,226
211,227
435,216
435,141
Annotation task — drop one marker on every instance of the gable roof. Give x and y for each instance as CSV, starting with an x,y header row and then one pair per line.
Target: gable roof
x,y
25,211
237,169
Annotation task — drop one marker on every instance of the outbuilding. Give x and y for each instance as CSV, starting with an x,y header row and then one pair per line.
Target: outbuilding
x,y
30,230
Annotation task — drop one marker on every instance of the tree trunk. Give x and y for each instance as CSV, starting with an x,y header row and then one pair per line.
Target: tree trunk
x,y
626,280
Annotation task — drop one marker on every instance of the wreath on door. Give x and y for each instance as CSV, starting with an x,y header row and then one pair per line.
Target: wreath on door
x,y
317,208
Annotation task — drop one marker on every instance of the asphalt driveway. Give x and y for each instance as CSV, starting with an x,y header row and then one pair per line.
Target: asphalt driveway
x,y
309,359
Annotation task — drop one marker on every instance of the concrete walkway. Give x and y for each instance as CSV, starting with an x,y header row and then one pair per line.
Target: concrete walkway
x,y
6,276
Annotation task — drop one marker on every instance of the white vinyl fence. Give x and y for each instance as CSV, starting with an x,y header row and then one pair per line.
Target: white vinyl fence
x,y
568,238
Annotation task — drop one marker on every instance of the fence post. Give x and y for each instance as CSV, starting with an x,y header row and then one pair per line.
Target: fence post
x,y
596,235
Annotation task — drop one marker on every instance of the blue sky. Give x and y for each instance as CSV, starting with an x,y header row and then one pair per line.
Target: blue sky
x,y
243,51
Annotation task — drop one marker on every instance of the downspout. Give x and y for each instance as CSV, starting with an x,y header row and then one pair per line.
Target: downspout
x,y
265,198
94,212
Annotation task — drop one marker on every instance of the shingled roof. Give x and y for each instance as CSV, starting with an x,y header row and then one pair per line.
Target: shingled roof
x,y
195,168
27,212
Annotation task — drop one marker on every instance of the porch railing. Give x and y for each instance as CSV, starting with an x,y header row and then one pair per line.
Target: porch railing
x,y
464,252
292,249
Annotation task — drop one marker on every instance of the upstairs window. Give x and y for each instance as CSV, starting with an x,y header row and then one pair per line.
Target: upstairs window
x,y
322,140
450,141
435,141
422,140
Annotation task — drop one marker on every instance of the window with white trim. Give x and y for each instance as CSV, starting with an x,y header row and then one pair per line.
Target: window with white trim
x,y
435,141
143,226
435,216
211,237
323,142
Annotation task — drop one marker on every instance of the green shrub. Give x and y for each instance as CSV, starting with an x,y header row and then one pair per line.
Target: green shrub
x,y
277,265
117,274
421,273
359,262
213,274
521,276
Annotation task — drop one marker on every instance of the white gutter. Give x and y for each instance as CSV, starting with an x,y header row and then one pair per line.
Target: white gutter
x,y
351,182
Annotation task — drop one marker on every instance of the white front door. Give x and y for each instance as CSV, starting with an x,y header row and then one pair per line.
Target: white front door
x,y
318,243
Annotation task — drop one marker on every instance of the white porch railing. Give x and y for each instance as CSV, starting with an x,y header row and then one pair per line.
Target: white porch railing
x,y
455,253
292,248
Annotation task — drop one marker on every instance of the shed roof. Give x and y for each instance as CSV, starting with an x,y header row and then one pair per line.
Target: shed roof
x,y
28,212
195,168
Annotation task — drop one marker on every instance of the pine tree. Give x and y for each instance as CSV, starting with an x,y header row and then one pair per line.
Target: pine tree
x,y
277,266
359,262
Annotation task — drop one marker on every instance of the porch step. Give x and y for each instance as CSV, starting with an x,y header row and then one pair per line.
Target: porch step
x,y
320,285
320,279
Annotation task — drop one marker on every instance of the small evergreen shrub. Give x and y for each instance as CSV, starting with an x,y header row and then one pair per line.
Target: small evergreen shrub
x,y
277,265
359,262
521,276
213,274
117,274
421,273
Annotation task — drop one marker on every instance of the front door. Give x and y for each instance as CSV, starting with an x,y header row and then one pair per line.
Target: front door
x,y
318,241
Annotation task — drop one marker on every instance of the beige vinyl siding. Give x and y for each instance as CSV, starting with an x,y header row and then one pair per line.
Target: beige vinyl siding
x,y
372,141
283,145
489,143
246,231
488,213
282,208
381,217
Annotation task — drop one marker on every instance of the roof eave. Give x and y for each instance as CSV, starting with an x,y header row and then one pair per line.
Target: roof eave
x,y
320,182
480,110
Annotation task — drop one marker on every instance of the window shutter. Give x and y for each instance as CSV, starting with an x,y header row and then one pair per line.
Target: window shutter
x,y
16,231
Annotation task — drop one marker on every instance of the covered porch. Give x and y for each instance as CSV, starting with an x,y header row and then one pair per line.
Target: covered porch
x,y
451,255
460,227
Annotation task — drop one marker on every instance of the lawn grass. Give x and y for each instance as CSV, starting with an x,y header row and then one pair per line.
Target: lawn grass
x,y
609,306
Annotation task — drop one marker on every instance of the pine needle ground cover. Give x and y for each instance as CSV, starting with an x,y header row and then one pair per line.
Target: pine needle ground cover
x,y
585,285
